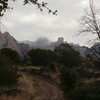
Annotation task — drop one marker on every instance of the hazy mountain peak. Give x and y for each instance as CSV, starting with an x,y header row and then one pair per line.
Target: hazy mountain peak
x,y
7,41
6,33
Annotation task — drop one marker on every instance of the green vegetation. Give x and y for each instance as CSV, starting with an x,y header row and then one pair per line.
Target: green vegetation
x,y
40,57
74,89
68,79
67,55
9,60
63,54
8,72
85,93
11,54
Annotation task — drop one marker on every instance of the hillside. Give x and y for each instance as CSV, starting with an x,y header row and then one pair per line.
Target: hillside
x,y
7,41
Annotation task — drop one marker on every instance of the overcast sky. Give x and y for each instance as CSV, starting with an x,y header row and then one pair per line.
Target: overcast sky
x,y
28,23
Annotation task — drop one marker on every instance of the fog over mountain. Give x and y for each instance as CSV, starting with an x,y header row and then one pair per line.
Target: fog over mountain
x,y
45,43
7,41
41,42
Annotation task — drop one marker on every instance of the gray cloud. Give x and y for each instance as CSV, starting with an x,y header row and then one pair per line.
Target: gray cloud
x,y
28,23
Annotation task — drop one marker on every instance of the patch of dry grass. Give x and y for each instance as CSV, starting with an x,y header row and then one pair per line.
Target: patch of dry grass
x,y
35,88
26,86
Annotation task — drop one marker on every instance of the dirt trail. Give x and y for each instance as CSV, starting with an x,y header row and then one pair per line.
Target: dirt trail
x,y
35,87
44,88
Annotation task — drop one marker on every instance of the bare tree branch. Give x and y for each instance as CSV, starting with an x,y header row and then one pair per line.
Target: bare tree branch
x,y
90,22
41,5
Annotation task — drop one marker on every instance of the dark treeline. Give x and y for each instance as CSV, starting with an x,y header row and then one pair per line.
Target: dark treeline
x,y
63,54
9,60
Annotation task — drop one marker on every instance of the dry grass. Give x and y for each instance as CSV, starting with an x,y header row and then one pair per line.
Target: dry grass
x,y
29,67
92,80
26,86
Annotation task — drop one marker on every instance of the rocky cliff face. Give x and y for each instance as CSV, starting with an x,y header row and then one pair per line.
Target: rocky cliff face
x,y
7,41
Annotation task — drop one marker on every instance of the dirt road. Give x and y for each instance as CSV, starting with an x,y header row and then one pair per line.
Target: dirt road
x,y
35,87
41,88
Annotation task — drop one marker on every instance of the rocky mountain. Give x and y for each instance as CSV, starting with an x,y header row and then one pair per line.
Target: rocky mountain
x,y
94,51
7,41
44,43
81,49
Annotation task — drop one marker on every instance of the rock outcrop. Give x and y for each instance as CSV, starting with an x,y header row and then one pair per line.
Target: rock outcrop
x,y
7,41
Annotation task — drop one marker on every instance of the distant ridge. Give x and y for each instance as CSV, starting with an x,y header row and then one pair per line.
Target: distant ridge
x,y
7,41
94,51
44,43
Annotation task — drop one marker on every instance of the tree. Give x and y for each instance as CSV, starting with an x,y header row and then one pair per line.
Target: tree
x,y
4,5
67,55
87,92
11,54
8,72
41,57
68,79
90,22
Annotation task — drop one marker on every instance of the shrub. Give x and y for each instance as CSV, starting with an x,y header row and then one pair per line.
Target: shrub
x,y
68,80
67,55
8,72
11,54
41,57
85,93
